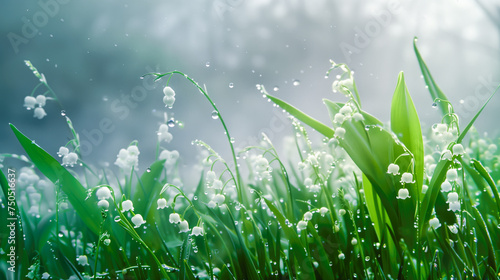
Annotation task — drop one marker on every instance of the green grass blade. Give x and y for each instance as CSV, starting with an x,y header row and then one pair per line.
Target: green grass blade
x,y
486,176
315,124
299,251
434,90
481,225
469,125
434,198
86,208
324,269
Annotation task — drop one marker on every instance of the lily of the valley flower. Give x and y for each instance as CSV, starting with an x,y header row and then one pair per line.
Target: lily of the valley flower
x,y
103,193
169,97
323,211
219,199
163,134
137,220
63,151
301,225
70,159
183,226
174,218
407,178
82,260
340,132
128,158
434,223
40,100
39,113
29,102
358,117
451,175
403,194
458,150
446,186
127,205
308,216
103,203
393,169
162,203
197,231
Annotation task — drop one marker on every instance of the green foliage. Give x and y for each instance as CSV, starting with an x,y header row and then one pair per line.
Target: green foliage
x,y
370,201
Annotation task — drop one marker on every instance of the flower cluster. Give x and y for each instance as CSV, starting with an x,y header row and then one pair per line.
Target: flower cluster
x,y
37,104
262,168
69,159
175,218
128,158
315,188
170,158
163,134
443,133
103,194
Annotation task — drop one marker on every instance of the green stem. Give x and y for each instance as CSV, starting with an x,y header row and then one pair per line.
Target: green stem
x,y
238,177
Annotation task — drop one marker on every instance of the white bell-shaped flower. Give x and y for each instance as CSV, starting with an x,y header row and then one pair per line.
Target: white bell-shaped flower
x,y
137,220
39,113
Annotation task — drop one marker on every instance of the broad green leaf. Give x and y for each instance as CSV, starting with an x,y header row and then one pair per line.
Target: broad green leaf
x,y
406,125
435,91
315,124
148,188
86,208
372,149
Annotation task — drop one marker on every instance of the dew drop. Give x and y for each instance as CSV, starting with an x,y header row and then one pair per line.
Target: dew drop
x,y
276,88
434,105
231,85
63,113
148,170
296,82
215,115
171,123
207,64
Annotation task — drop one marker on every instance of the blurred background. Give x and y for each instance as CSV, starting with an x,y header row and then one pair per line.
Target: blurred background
x,y
93,54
